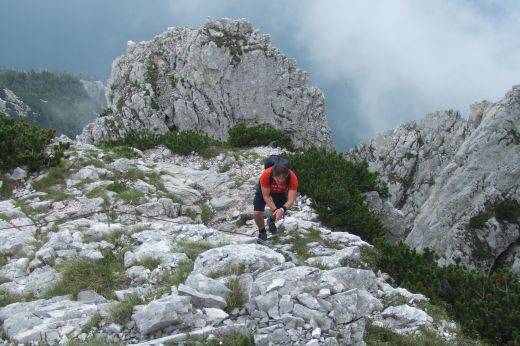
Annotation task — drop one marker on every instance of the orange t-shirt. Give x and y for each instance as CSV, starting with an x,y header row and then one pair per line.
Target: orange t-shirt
x,y
274,186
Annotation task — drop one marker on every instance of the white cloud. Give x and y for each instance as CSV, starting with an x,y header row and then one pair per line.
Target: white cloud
x,y
407,58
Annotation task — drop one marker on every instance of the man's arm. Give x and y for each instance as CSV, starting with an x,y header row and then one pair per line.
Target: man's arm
x,y
267,198
290,199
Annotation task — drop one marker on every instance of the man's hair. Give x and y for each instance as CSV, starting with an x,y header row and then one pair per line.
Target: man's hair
x,y
280,169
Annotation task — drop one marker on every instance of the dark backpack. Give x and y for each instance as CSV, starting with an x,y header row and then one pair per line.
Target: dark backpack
x,y
274,159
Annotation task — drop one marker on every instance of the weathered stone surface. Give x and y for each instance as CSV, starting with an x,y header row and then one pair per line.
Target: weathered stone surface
x,y
161,313
160,250
252,256
207,285
444,171
210,79
199,299
404,319
45,320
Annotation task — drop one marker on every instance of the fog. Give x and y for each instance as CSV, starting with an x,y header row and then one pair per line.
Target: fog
x,y
378,63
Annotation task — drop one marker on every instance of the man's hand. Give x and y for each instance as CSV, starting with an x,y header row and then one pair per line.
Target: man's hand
x,y
278,214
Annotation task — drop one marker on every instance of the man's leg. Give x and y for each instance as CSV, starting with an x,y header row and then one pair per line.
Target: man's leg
x,y
258,214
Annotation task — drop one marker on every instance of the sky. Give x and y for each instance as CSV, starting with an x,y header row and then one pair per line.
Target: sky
x,y
379,63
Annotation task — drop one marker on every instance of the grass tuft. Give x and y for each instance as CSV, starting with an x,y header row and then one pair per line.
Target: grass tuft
x,y
235,299
235,269
121,312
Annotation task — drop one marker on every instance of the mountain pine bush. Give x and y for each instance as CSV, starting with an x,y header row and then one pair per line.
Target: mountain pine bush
x,y
22,144
484,306
183,142
242,135
335,185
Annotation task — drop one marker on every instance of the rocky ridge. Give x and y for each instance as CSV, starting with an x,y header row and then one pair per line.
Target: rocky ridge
x,y
309,285
455,182
210,79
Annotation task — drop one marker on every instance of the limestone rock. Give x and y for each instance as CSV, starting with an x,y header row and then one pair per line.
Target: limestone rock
x,y
252,256
404,319
210,79
161,313
443,172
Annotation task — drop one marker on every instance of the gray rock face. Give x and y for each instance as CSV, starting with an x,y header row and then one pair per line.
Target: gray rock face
x,y
161,313
45,320
252,256
446,173
289,299
210,79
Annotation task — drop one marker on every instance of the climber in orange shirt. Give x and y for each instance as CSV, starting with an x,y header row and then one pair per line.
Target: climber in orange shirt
x,y
276,188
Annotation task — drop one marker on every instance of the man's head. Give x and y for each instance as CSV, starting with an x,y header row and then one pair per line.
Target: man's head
x,y
280,172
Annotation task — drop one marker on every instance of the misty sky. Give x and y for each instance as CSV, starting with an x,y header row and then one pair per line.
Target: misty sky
x,y
378,63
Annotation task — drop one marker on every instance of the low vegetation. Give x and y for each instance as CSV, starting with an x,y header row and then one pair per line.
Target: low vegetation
x,y
121,312
336,186
235,299
242,135
485,306
235,269
102,276
193,249
24,145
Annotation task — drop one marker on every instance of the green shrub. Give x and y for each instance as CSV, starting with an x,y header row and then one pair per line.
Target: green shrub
x,y
485,306
22,144
186,142
335,186
241,135
505,211
232,339
6,190
378,336
106,112
125,151
131,196
207,213
182,143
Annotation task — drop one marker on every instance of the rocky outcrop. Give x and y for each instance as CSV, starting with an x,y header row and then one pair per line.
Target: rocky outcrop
x,y
11,104
456,181
307,286
210,79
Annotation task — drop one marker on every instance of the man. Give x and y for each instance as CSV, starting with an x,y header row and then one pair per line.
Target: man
x,y
277,188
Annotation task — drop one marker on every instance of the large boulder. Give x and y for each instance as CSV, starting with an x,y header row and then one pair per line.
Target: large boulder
x,y
210,79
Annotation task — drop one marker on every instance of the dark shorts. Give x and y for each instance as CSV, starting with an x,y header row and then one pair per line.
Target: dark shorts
x,y
279,199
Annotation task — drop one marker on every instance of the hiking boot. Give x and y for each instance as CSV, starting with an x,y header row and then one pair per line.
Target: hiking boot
x,y
262,234
271,225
